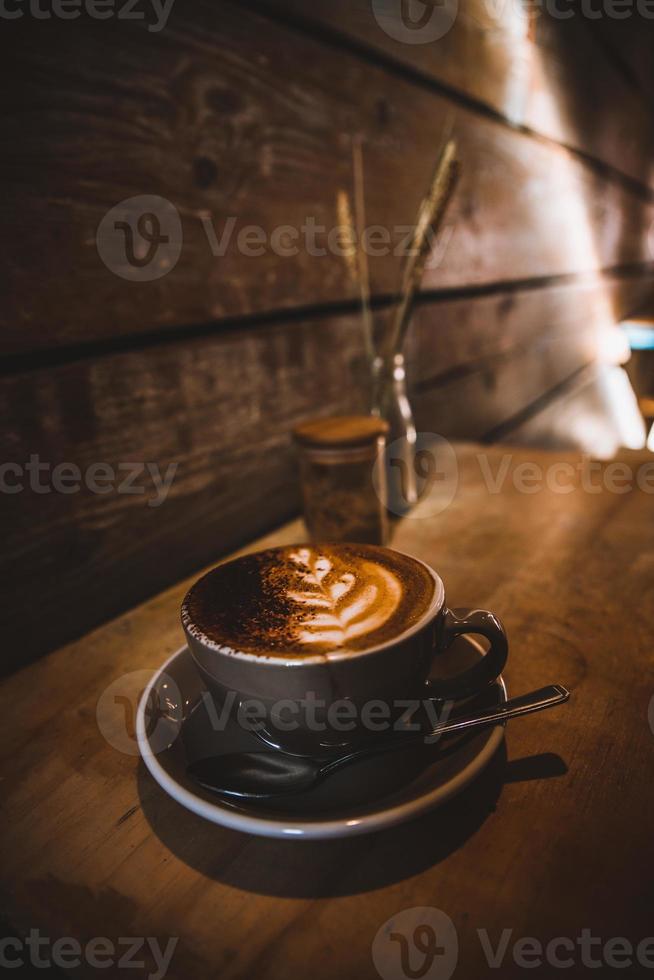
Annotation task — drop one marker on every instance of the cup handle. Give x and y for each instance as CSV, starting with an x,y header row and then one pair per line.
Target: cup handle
x,y
489,668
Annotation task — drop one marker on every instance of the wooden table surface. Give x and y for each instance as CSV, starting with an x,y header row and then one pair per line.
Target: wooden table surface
x,y
554,838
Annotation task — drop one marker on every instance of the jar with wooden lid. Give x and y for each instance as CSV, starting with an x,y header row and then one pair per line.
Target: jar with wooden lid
x,y
343,478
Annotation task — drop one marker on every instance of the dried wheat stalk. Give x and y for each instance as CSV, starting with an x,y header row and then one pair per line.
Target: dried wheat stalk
x,y
353,232
430,217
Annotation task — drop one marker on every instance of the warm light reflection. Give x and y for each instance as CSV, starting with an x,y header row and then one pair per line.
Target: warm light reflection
x,y
610,418
602,418
613,346
624,404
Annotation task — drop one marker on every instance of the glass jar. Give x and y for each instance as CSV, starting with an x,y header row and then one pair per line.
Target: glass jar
x,y
344,478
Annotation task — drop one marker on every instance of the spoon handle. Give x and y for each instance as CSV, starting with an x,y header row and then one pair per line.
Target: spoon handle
x,y
525,704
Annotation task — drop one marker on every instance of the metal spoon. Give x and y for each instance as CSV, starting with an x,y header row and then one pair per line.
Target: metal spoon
x,y
260,775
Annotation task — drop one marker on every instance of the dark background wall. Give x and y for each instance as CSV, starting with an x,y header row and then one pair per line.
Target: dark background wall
x,y
249,110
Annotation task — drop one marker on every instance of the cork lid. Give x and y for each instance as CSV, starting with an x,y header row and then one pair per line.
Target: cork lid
x,y
341,430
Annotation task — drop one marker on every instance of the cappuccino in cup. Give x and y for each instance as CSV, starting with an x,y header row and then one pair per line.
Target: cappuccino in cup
x,y
298,630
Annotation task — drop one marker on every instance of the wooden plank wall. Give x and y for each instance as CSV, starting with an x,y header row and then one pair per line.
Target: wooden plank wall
x,y
243,114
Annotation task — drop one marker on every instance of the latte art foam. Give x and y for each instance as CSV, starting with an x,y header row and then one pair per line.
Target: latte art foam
x,y
336,608
309,599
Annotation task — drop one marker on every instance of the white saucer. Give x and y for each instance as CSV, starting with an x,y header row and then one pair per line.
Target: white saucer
x,y
367,796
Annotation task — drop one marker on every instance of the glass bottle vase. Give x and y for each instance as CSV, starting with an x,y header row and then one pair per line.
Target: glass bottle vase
x,y
390,402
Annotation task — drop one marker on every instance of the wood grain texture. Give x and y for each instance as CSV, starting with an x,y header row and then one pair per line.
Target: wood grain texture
x,y
219,410
627,42
202,115
522,62
503,322
505,352
91,846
